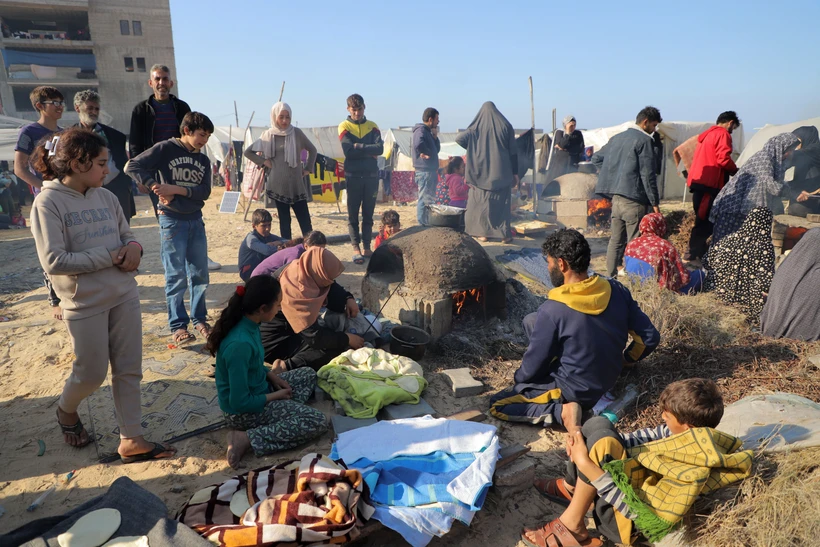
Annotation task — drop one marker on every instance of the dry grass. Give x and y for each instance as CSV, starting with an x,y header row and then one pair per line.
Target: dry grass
x,y
779,505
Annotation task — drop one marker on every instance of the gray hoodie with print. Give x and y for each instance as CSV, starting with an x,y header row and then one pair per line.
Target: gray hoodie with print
x,y
75,234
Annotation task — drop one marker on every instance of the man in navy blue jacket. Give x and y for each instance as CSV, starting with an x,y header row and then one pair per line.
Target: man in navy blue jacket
x,y
426,147
577,340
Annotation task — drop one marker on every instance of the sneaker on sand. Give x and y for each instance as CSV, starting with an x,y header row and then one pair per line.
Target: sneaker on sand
x,y
213,265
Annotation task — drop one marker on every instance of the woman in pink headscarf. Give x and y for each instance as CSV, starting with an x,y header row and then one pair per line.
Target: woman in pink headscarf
x,y
652,256
279,150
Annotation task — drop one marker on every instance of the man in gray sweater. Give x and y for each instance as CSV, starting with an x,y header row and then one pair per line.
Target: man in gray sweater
x,y
626,175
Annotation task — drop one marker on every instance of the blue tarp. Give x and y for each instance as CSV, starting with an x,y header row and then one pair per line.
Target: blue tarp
x,y
80,60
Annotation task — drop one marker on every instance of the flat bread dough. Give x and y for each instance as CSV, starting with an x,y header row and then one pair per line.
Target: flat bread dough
x,y
201,496
239,503
91,530
128,541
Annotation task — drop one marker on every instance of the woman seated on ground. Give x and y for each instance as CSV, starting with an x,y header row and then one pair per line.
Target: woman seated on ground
x,y
294,338
758,183
652,256
792,308
266,411
804,198
289,252
740,267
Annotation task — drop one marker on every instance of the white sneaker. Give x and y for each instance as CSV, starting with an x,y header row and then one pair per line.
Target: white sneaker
x,y
213,265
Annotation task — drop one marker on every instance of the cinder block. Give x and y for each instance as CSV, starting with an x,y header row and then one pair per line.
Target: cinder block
x,y
320,394
337,408
571,207
519,472
508,491
406,410
572,221
346,423
462,382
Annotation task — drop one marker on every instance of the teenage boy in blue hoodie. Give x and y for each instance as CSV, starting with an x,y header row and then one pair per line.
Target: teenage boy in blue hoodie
x,y
180,176
577,340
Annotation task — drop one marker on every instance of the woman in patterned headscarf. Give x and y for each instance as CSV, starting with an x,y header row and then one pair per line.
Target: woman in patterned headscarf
x,y
759,183
650,255
740,268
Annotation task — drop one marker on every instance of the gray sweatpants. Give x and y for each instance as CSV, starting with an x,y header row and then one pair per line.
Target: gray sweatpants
x,y
626,217
113,336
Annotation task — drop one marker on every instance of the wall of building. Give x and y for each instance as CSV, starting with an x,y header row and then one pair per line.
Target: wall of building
x,y
121,90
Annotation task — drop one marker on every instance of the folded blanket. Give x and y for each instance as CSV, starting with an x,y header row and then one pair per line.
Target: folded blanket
x,y
661,480
685,153
312,501
365,380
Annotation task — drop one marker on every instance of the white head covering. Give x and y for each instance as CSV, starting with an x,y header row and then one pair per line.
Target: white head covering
x,y
267,138
568,118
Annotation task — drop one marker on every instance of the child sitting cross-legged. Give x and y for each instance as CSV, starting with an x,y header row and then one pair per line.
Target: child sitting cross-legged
x,y
391,225
264,410
644,482
258,244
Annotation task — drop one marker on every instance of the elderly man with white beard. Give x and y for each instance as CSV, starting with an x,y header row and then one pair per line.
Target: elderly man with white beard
x,y
87,104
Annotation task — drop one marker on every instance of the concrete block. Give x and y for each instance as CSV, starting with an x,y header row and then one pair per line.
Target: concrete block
x,y
320,394
572,221
571,207
346,423
509,491
509,454
469,415
519,472
462,382
396,412
337,408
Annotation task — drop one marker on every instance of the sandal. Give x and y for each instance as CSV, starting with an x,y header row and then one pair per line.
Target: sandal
x,y
554,490
204,329
358,259
151,455
555,534
182,336
75,430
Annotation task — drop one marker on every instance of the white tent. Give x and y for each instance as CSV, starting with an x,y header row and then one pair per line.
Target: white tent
x,y
670,184
757,141
9,127
219,143
401,141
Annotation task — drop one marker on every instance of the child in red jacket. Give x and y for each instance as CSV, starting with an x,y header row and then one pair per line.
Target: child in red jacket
x,y
455,182
391,225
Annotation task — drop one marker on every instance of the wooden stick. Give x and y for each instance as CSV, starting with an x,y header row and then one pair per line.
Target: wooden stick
x,y
282,91
534,163
236,114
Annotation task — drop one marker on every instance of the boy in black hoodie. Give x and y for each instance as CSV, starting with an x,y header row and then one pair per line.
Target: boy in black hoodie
x,y
180,176
362,144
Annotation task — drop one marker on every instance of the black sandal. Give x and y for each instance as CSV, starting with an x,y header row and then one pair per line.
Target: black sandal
x,y
147,456
76,430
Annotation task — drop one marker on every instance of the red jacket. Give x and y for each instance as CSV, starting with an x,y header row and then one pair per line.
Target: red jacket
x,y
712,162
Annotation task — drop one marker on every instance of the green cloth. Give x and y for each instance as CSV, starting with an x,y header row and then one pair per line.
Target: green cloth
x,y
365,380
241,374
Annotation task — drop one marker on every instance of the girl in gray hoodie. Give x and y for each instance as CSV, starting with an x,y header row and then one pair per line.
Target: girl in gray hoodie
x,y
87,249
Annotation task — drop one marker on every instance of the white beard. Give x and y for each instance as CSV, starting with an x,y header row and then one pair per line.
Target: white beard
x,y
87,120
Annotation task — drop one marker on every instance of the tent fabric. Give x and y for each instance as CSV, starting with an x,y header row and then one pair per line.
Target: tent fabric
x,y
219,145
84,61
9,129
768,131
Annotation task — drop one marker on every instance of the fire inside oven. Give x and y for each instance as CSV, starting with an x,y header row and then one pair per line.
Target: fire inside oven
x,y
464,301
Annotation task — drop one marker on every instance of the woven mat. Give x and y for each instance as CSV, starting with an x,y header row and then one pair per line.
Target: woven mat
x,y
177,397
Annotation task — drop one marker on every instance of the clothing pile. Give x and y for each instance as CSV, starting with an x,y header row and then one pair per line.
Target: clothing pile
x,y
310,501
424,473
363,381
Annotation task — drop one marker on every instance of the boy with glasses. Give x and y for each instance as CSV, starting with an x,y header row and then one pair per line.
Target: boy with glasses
x,y
48,101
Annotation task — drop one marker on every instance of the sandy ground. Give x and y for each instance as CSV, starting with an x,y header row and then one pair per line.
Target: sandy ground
x,y
36,357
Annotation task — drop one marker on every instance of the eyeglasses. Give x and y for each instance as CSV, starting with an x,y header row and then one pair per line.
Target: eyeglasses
x,y
55,103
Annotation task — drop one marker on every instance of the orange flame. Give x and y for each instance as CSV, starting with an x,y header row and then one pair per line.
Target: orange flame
x,y
595,205
461,298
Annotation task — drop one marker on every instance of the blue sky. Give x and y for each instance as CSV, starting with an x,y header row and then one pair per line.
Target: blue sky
x,y
601,61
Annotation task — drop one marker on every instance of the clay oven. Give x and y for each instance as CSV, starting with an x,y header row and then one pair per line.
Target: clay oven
x,y
433,274
571,202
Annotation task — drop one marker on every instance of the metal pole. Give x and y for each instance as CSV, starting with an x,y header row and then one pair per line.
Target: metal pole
x,y
282,91
534,163
236,114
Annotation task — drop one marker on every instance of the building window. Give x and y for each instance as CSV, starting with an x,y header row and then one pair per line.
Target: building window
x,y
125,30
129,64
137,28
140,64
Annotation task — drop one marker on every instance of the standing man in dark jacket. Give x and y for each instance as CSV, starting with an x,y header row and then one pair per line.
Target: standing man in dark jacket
x,y
156,119
362,144
626,174
426,147
87,105
712,165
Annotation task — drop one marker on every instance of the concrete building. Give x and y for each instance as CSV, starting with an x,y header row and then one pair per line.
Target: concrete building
x,y
107,45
